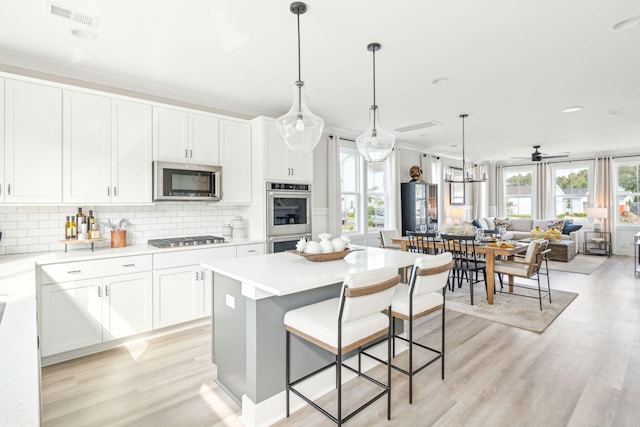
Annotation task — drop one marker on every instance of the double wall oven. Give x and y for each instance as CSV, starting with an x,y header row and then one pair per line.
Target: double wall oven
x,y
288,215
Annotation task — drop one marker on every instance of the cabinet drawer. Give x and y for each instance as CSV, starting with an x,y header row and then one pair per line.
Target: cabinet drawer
x,y
80,270
191,257
250,250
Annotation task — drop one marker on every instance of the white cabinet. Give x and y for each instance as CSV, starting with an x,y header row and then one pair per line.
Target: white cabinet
x,y
282,164
131,164
182,289
107,150
181,136
80,305
249,250
32,155
235,159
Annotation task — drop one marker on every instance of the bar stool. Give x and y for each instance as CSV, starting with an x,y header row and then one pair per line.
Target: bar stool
x,y
418,299
340,325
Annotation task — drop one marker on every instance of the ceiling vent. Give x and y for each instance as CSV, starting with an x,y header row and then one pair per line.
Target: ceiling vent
x,y
424,125
72,15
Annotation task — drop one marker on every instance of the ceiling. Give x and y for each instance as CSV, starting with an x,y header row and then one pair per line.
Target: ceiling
x,y
513,66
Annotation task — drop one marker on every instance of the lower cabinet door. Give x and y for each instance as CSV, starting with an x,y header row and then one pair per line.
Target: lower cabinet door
x,y
127,306
176,293
71,315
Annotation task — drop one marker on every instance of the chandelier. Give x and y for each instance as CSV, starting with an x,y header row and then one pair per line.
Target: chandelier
x,y
468,171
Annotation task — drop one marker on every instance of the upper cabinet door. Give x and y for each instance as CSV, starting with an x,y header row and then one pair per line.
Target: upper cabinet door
x,y
235,159
182,137
283,164
33,143
131,152
203,140
87,148
170,135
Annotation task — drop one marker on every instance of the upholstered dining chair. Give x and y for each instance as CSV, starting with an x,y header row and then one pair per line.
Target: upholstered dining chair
x,y
344,324
424,294
528,267
386,237
467,264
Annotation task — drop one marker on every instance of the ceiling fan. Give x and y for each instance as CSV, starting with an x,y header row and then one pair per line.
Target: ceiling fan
x,y
537,156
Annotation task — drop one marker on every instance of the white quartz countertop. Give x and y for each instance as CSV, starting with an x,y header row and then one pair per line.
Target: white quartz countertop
x,y
19,355
287,273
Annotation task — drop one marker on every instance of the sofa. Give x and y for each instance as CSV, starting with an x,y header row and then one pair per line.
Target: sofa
x,y
518,228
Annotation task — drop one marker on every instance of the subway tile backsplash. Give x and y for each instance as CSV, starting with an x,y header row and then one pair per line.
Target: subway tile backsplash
x,y
28,229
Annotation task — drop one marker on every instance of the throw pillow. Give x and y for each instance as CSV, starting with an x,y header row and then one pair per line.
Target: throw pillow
x,y
569,227
476,223
503,222
558,224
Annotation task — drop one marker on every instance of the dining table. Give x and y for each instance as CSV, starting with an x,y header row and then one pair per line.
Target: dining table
x,y
489,249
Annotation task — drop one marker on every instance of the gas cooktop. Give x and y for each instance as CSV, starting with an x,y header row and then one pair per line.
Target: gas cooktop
x,y
176,242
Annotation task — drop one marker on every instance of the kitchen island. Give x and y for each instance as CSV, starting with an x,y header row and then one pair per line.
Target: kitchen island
x,y
250,298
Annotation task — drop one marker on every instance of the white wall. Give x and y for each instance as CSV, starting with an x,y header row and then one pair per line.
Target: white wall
x,y
29,229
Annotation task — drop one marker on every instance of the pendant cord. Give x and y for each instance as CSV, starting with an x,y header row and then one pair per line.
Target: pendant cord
x,y
375,107
463,161
299,72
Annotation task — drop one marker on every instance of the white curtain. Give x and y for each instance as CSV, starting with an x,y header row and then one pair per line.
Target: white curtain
x,y
480,201
543,191
334,192
500,192
605,197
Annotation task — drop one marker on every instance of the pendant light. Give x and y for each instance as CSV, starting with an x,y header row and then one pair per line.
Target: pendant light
x,y
468,172
300,128
375,144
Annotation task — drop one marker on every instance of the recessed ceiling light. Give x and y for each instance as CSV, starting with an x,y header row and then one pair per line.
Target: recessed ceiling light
x,y
84,34
572,109
626,24
441,81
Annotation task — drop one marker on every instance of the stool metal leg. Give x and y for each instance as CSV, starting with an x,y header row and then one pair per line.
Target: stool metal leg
x,y
288,368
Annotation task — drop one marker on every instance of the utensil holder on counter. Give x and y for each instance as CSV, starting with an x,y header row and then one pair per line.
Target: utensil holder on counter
x,y
119,238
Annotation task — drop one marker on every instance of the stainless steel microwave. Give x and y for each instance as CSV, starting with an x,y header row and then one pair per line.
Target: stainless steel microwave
x,y
180,181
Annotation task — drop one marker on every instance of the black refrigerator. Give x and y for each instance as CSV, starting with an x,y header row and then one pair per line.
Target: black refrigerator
x,y
419,205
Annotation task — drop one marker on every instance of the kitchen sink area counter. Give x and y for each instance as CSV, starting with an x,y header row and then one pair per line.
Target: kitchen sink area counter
x,y
250,298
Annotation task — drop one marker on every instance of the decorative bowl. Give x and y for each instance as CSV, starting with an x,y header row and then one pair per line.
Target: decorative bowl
x,y
331,256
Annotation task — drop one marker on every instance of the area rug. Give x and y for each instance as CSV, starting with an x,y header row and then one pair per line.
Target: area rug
x,y
512,310
583,264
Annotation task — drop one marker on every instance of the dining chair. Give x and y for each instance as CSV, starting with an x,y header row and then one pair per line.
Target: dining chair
x,y
417,299
528,267
386,237
467,264
344,324
424,243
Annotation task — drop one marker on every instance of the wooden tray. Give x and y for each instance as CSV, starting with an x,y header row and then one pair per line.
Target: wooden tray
x,y
332,256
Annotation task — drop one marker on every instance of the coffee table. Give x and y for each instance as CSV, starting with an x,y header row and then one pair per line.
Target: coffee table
x,y
561,250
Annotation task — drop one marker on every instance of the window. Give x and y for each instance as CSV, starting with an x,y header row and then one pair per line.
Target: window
x,y
571,190
518,191
628,196
363,188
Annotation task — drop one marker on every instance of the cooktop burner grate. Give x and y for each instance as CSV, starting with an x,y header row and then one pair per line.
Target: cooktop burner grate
x,y
176,242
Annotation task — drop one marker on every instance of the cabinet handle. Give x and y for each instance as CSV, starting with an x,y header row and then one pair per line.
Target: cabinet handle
x,y
74,271
0,189
106,290
115,191
108,191
251,250
185,153
292,171
197,276
128,265
100,291
8,189
190,153
288,171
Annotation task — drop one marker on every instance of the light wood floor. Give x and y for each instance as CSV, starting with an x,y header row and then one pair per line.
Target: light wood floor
x,y
584,370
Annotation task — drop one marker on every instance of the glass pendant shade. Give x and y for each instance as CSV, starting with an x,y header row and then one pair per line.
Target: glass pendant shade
x,y
375,144
300,128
